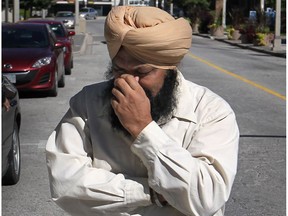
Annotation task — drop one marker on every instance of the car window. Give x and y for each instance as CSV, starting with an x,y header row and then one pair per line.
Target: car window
x,y
58,30
23,38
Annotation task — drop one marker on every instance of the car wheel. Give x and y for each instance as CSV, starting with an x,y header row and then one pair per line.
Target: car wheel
x,y
14,160
68,70
54,91
61,82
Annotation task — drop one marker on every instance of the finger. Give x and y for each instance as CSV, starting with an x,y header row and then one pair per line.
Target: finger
x,y
122,85
133,81
114,104
118,95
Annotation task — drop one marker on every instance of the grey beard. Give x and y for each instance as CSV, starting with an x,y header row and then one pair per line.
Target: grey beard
x,y
162,105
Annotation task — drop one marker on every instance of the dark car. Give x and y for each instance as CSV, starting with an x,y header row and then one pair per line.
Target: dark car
x,y
88,13
63,35
32,57
67,17
11,120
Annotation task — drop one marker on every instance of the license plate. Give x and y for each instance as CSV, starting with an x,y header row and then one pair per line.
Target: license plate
x,y
11,77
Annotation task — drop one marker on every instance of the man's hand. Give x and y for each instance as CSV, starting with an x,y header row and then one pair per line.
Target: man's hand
x,y
6,104
131,104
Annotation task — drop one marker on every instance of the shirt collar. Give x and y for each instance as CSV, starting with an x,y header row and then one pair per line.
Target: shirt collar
x,y
184,108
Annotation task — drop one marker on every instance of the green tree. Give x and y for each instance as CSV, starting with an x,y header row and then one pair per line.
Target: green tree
x,y
27,5
193,8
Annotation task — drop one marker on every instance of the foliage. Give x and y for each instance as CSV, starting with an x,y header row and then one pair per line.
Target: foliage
x,y
249,31
230,31
260,39
38,4
193,8
28,5
216,21
236,17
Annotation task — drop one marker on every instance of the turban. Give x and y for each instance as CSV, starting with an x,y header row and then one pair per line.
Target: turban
x,y
149,34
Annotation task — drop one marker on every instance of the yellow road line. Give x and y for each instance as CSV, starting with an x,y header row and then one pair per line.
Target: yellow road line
x,y
243,79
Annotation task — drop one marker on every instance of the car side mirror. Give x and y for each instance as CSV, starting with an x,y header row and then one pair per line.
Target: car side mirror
x,y
58,45
71,33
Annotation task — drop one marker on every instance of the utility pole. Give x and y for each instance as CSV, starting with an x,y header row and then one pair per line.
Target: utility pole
x,y
224,14
262,5
6,10
16,10
277,40
76,2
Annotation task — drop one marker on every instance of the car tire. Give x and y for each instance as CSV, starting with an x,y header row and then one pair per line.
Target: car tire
x,y
68,70
61,82
54,91
12,175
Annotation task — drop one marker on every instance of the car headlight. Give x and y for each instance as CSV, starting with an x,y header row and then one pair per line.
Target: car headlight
x,y
42,62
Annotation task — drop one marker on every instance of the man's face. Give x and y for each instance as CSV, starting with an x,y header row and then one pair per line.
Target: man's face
x,y
160,85
150,78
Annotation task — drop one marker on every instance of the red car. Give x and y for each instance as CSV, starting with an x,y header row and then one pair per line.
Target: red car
x,y
63,35
32,57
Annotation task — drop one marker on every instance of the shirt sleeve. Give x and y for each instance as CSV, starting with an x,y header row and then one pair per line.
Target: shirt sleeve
x,y
196,180
77,186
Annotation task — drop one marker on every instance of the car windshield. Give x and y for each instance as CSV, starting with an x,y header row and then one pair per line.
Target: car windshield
x,y
63,14
58,30
85,10
24,38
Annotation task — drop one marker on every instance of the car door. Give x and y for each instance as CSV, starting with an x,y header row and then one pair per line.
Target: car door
x,y
8,120
57,53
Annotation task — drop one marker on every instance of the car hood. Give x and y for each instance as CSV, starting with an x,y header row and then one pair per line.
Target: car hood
x,y
22,59
64,18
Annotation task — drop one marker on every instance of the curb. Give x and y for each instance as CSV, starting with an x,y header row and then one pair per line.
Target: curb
x,y
247,46
83,45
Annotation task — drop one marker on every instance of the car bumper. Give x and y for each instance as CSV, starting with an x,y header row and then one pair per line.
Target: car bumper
x,y
70,26
35,79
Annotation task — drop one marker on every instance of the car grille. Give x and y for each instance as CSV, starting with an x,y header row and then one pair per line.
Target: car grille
x,y
45,78
23,77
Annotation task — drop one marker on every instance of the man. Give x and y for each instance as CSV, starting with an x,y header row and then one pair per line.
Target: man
x,y
146,142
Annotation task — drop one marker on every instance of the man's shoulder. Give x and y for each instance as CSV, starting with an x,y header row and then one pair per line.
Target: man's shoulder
x,y
97,92
94,90
204,98
99,87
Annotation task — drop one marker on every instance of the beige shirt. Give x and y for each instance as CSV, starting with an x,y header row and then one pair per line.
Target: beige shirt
x,y
191,159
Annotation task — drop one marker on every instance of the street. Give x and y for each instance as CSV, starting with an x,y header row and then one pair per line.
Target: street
x,y
254,84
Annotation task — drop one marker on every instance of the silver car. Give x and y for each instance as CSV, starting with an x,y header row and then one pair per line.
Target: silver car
x,y
67,17
11,120
88,13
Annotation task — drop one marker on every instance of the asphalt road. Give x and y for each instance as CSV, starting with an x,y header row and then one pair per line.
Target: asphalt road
x,y
253,84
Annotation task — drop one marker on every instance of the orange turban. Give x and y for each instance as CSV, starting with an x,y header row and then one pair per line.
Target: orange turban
x,y
149,34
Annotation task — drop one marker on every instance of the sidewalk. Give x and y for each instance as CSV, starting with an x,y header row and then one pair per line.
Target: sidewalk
x,y
263,49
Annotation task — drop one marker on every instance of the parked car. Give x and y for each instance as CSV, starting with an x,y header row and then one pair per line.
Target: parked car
x,y
63,35
11,120
32,57
88,13
67,17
